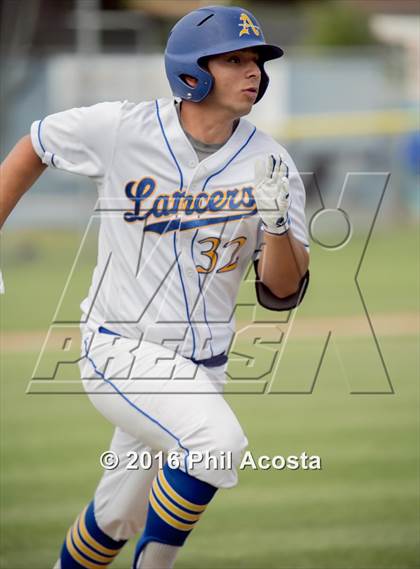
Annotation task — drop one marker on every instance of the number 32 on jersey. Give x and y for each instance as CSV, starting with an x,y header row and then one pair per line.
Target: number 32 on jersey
x,y
213,255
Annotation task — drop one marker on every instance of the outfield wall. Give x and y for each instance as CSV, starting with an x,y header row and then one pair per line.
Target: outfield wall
x,y
337,113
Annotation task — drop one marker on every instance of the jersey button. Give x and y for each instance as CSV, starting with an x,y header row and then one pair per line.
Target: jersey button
x,y
192,163
190,273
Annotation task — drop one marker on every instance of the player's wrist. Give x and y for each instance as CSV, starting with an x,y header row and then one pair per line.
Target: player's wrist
x,y
280,227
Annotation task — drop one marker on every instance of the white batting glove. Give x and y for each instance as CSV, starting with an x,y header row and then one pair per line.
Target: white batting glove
x,y
1,284
272,194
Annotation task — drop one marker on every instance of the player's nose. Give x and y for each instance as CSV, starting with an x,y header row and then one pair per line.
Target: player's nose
x,y
253,70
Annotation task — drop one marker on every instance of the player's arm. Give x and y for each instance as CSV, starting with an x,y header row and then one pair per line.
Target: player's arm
x,y
284,260
18,172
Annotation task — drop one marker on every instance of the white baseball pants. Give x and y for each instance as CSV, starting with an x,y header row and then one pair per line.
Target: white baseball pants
x,y
158,401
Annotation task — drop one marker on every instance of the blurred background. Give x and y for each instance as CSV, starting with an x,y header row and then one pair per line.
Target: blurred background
x,y
344,100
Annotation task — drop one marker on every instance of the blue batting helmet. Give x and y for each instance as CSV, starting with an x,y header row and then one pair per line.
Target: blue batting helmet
x,y
211,31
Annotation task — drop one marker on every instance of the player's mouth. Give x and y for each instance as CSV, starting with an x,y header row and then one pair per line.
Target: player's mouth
x,y
251,91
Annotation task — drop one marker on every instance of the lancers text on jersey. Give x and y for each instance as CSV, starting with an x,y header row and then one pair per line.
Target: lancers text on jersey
x,y
235,203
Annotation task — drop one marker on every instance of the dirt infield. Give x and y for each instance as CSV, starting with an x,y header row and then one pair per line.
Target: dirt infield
x,y
384,324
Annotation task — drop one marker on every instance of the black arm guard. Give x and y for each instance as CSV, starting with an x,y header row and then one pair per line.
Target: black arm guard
x,y
272,302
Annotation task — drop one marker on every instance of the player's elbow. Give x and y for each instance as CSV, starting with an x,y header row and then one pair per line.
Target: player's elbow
x,y
284,288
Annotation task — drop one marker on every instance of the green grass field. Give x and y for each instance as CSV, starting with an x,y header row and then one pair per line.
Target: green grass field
x,y
361,511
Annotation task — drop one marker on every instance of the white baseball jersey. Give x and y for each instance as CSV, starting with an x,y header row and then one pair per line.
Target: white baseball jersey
x,y
176,234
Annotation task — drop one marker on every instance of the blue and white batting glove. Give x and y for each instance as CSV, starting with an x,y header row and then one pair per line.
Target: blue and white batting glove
x,y
271,193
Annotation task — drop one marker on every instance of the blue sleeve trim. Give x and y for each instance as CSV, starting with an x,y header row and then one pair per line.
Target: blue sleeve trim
x,y
124,396
39,136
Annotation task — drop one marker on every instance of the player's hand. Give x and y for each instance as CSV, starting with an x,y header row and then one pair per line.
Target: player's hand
x,y
272,194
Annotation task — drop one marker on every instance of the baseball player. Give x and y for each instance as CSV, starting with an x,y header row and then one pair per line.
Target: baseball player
x,y
189,194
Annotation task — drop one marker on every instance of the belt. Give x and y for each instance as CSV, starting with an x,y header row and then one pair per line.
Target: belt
x,y
214,361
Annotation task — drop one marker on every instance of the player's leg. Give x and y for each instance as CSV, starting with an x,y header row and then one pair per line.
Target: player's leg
x,y
196,420
121,498
86,545
119,507
177,501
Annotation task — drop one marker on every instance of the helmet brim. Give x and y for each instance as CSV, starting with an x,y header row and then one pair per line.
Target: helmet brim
x,y
266,52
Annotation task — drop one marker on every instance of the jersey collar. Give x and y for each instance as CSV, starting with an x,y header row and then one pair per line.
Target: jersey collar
x,y
182,148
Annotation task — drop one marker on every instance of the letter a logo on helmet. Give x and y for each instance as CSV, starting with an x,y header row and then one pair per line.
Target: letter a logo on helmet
x,y
211,31
246,24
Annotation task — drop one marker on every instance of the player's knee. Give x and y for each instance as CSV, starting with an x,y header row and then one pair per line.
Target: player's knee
x,y
222,451
231,443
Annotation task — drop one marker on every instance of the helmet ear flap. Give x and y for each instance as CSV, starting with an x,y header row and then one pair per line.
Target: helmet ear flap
x,y
198,91
177,69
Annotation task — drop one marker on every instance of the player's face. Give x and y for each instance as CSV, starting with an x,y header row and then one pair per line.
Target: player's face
x,y
236,81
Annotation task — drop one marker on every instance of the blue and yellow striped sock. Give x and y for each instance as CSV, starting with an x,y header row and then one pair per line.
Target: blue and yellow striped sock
x,y
176,503
86,545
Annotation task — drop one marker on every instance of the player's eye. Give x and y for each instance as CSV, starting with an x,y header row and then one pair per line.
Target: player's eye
x,y
234,59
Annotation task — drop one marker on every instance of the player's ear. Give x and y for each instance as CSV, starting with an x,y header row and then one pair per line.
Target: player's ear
x,y
191,81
